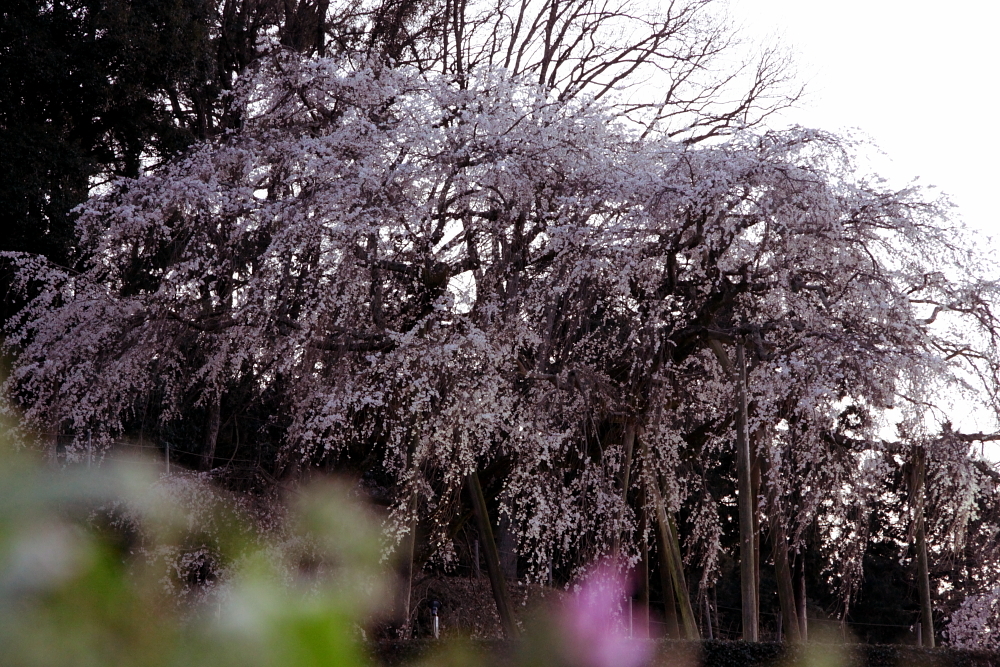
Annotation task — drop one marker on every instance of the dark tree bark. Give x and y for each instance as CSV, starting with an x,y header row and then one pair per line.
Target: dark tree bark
x,y
212,425
783,573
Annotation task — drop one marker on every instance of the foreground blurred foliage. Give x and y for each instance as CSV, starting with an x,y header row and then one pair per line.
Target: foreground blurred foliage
x,y
90,561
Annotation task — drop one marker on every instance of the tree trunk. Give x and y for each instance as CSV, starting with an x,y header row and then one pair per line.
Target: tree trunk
x,y
505,609
669,606
748,565
643,582
628,444
788,619
410,551
754,495
211,433
671,559
801,601
783,573
923,570
507,548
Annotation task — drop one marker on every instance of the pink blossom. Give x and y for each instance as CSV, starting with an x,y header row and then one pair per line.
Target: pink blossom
x,y
591,625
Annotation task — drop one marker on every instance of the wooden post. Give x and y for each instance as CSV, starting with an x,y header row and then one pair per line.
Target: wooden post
x,y
671,557
505,609
644,580
708,620
754,496
410,551
715,610
744,483
631,629
788,619
748,565
53,448
669,603
923,570
803,620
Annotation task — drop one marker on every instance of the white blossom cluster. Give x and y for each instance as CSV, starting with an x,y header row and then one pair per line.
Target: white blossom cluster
x,y
975,623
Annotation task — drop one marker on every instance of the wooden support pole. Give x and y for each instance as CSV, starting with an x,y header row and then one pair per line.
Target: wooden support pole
x,y
669,603
410,552
920,542
505,609
748,565
671,557
643,581
801,600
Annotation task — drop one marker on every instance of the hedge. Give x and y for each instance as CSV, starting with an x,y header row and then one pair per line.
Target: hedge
x,y
399,653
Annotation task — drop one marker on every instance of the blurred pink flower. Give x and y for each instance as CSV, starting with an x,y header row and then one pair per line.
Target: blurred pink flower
x,y
592,630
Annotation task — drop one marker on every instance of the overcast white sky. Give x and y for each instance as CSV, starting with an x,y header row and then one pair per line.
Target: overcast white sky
x,y
921,78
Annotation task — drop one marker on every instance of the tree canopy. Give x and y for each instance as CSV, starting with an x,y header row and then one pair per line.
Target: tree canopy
x,y
477,249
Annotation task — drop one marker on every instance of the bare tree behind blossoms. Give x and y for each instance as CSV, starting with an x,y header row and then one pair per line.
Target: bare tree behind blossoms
x,y
433,277
676,68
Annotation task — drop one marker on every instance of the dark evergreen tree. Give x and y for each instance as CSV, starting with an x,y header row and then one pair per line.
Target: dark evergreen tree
x,y
91,90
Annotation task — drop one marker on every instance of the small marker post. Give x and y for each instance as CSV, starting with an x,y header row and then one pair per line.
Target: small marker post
x,y
435,605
